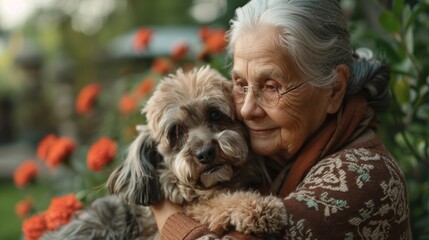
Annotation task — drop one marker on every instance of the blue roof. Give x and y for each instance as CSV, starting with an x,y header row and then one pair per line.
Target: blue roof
x,y
161,43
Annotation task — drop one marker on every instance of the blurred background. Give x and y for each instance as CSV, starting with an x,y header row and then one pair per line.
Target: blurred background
x,y
52,49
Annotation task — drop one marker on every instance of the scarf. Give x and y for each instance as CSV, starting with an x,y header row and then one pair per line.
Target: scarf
x,y
352,119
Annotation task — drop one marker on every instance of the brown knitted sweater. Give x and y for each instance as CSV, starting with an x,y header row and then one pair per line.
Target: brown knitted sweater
x,y
343,184
356,193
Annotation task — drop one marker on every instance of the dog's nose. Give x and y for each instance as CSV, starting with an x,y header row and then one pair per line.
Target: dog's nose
x,y
206,154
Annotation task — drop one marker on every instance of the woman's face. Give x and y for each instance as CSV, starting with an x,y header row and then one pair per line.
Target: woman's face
x,y
279,131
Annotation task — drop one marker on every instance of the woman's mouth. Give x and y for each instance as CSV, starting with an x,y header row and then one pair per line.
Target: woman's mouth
x,y
260,132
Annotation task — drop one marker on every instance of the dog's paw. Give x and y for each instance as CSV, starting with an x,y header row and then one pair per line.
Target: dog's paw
x,y
247,212
261,215
217,219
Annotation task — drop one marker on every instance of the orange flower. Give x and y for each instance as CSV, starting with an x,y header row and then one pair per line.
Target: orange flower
x,y
179,50
101,153
216,41
34,227
145,87
161,65
61,210
44,145
142,38
86,98
25,173
60,151
204,33
127,104
23,207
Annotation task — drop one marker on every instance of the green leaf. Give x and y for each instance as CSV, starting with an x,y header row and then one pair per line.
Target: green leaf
x,y
402,91
423,112
397,7
410,15
386,49
390,22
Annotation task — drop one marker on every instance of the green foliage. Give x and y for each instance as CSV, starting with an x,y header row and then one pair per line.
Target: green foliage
x,y
10,227
406,49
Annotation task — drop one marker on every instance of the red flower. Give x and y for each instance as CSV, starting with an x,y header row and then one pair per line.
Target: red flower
x,y
86,98
145,87
101,153
61,210
60,151
25,173
142,38
161,65
34,227
127,104
204,33
214,41
179,50
44,145
23,207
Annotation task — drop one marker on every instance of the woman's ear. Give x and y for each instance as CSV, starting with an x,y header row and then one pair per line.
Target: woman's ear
x,y
339,88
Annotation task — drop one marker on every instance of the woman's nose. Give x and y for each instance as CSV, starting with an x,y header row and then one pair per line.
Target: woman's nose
x,y
250,107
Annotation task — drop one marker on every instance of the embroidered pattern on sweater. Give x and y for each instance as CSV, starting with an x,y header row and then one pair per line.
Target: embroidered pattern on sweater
x,y
214,237
298,231
361,169
312,200
323,188
392,208
394,190
327,174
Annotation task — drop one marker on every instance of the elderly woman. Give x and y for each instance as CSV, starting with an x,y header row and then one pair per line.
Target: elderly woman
x,y
308,101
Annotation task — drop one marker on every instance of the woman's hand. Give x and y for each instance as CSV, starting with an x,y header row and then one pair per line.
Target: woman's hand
x,y
163,210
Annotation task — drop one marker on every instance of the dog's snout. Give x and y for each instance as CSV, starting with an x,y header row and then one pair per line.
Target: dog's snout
x,y
206,154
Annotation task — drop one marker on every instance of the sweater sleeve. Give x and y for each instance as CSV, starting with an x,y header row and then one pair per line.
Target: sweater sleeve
x,y
358,193
179,226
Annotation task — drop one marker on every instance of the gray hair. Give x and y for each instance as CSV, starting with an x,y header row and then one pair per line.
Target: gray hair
x,y
316,36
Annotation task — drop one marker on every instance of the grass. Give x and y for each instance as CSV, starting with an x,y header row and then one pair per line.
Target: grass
x,y
10,227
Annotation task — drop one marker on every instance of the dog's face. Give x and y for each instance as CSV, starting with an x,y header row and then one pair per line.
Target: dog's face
x,y
191,118
191,125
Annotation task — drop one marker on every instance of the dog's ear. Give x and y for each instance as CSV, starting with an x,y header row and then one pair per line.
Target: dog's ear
x,y
136,180
227,86
151,191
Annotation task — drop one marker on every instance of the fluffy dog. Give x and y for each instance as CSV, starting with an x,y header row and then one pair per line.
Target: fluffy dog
x,y
193,152
108,218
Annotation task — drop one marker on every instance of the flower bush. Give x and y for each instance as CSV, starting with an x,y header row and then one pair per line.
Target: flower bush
x,y
34,227
25,173
24,207
87,97
77,169
101,154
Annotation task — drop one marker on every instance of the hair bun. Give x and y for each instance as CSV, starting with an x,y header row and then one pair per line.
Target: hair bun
x,y
364,53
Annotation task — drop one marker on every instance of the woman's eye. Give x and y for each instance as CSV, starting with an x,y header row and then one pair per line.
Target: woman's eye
x,y
239,83
269,87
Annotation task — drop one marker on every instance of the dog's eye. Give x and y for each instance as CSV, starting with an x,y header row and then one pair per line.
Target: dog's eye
x,y
176,132
215,115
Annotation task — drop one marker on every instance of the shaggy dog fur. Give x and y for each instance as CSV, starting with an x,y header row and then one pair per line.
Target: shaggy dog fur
x,y
193,152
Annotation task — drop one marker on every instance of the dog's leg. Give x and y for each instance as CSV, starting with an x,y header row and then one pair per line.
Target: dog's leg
x,y
247,212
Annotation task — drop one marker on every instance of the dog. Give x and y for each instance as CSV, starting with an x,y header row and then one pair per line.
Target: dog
x,y
194,152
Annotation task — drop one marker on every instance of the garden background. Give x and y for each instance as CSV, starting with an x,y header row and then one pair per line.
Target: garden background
x,y
73,74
